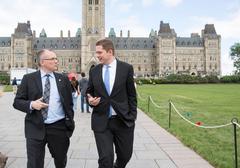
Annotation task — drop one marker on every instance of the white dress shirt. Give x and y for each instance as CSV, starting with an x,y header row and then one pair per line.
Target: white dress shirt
x,y
112,67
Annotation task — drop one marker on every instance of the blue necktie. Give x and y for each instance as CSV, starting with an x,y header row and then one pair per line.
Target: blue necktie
x,y
46,96
107,85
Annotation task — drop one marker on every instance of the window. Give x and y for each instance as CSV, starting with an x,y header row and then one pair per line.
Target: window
x,y
96,2
90,2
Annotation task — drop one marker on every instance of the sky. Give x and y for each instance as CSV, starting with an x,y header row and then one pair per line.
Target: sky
x,y
138,16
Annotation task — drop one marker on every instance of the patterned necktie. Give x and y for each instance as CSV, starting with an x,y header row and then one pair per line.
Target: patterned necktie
x,y
46,96
107,85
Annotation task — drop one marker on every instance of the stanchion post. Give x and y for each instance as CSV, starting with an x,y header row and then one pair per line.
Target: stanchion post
x,y
169,113
235,140
148,103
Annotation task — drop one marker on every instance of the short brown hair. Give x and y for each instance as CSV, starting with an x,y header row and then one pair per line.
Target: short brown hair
x,y
107,44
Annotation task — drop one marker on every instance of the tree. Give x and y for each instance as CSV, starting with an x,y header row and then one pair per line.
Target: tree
x,y
235,56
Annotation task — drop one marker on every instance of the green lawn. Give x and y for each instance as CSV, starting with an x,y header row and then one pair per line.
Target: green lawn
x,y
8,88
210,104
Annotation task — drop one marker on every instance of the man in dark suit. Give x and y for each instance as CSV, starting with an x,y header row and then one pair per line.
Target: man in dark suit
x,y
111,93
45,96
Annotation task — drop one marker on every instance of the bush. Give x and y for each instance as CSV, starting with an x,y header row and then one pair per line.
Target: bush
x,y
230,79
4,78
179,79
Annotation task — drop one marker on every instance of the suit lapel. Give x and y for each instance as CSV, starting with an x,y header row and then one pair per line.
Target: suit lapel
x,y
59,82
38,82
117,77
98,77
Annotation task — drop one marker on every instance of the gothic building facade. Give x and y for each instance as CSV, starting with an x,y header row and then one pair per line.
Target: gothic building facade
x,y
160,54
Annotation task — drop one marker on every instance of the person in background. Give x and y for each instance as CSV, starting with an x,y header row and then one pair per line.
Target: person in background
x,y
14,85
45,96
111,93
75,92
83,84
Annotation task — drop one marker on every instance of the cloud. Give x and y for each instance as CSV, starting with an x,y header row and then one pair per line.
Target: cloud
x,y
147,3
120,5
50,16
171,3
125,7
226,64
228,28
132,23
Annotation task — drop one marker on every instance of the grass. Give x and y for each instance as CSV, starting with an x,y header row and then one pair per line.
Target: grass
x,y
8,88
210,104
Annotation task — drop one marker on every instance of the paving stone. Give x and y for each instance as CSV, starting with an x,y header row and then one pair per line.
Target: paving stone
x,y
153,147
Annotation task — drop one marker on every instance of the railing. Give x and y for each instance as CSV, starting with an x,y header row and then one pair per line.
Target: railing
x,y
172,107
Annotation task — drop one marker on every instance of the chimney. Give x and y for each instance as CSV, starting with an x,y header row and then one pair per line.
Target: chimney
x,y
34,34
120,33
69,34
61,34
128,35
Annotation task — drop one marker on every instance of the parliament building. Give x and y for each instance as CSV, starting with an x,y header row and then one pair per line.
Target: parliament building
x,y
160,54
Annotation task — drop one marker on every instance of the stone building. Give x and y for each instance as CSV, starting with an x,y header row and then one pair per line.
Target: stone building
x,y
159,54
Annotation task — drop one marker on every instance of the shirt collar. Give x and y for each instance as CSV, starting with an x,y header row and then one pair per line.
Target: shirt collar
x,y
44,73
112,64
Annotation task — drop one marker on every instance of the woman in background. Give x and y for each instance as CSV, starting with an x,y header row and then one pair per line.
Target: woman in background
x,y
75,92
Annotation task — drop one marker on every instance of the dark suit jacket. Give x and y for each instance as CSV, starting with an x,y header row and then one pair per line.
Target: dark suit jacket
x,y
31,89
122,99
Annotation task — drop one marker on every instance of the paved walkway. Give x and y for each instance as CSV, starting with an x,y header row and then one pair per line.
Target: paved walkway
x,y
153,146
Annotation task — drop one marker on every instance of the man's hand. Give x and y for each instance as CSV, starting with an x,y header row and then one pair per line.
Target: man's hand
x,y
93,101
39,104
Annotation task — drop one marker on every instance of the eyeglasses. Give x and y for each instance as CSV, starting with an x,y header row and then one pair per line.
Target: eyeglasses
x,y
53,58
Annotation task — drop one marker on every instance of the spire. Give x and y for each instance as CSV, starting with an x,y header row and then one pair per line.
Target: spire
x,y
112,33
79,32
152,33
43,33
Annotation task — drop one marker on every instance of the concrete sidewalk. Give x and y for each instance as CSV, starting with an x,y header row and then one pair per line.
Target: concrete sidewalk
x,y
153,146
